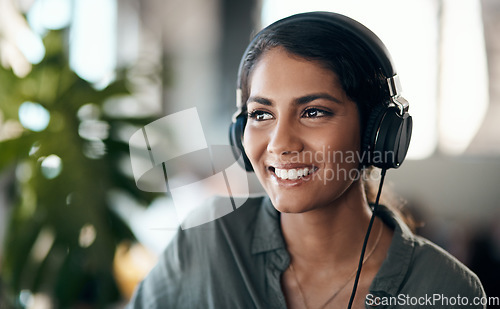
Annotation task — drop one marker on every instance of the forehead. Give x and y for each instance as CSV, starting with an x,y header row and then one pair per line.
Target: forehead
x,y
280,72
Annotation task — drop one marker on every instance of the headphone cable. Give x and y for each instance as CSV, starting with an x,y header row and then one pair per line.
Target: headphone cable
x,y
365,242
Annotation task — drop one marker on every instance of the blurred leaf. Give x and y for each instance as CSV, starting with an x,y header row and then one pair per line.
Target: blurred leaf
x,y
14,150
48,245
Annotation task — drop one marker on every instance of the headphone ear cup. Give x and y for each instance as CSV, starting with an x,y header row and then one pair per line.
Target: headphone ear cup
x,y
404,138
387,137
370,132
236,130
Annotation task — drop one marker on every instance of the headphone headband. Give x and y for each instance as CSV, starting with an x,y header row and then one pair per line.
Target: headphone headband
x,y
372,42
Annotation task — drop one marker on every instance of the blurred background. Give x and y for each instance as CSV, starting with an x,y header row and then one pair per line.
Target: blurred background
x,y
79,77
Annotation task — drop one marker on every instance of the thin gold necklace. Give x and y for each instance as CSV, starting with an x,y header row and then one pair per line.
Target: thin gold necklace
x,y
345,283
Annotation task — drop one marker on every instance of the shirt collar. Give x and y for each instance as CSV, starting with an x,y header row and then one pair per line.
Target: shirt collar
x,y
267,235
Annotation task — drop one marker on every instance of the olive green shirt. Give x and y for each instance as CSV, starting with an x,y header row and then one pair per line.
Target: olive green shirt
x,y
237,262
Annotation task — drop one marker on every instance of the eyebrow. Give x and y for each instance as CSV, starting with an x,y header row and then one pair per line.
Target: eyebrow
x,y
316,96
299,101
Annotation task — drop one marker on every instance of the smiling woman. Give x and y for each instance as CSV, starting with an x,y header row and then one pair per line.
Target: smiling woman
x,y
314,89
297,107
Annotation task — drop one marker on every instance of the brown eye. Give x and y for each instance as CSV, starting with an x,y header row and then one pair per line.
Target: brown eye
x,y
259,115
314,113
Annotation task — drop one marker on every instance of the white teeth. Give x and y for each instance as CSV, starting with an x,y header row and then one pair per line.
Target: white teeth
x,y
292,173
283,174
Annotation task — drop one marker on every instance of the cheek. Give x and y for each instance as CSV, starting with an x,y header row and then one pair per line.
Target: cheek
x,y
336,143
254,144
345,150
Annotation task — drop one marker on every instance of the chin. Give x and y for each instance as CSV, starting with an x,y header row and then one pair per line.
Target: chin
x,y
291,205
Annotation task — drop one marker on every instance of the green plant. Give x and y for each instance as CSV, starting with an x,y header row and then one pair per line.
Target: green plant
x,y
62,233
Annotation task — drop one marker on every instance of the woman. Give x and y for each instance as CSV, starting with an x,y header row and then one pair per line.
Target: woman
x,y
316,110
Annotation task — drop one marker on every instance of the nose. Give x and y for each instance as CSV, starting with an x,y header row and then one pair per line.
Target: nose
x,y
284,138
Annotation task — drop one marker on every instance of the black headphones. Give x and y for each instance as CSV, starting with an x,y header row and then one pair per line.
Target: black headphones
x,y
388,129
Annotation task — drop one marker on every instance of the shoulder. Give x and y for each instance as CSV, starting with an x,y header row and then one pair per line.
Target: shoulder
x,y
196,256
416,267
218,220
442,271
235,227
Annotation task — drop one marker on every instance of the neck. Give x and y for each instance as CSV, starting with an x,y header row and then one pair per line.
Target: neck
x,y
316,236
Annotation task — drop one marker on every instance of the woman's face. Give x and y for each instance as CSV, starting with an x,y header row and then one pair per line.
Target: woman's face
x,y
303,133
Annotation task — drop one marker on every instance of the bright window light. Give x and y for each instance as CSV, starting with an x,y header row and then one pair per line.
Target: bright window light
x,y
93,40
49,14
464,76
31,46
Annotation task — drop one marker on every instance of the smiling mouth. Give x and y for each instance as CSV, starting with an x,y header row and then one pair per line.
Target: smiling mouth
x,y
292,173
